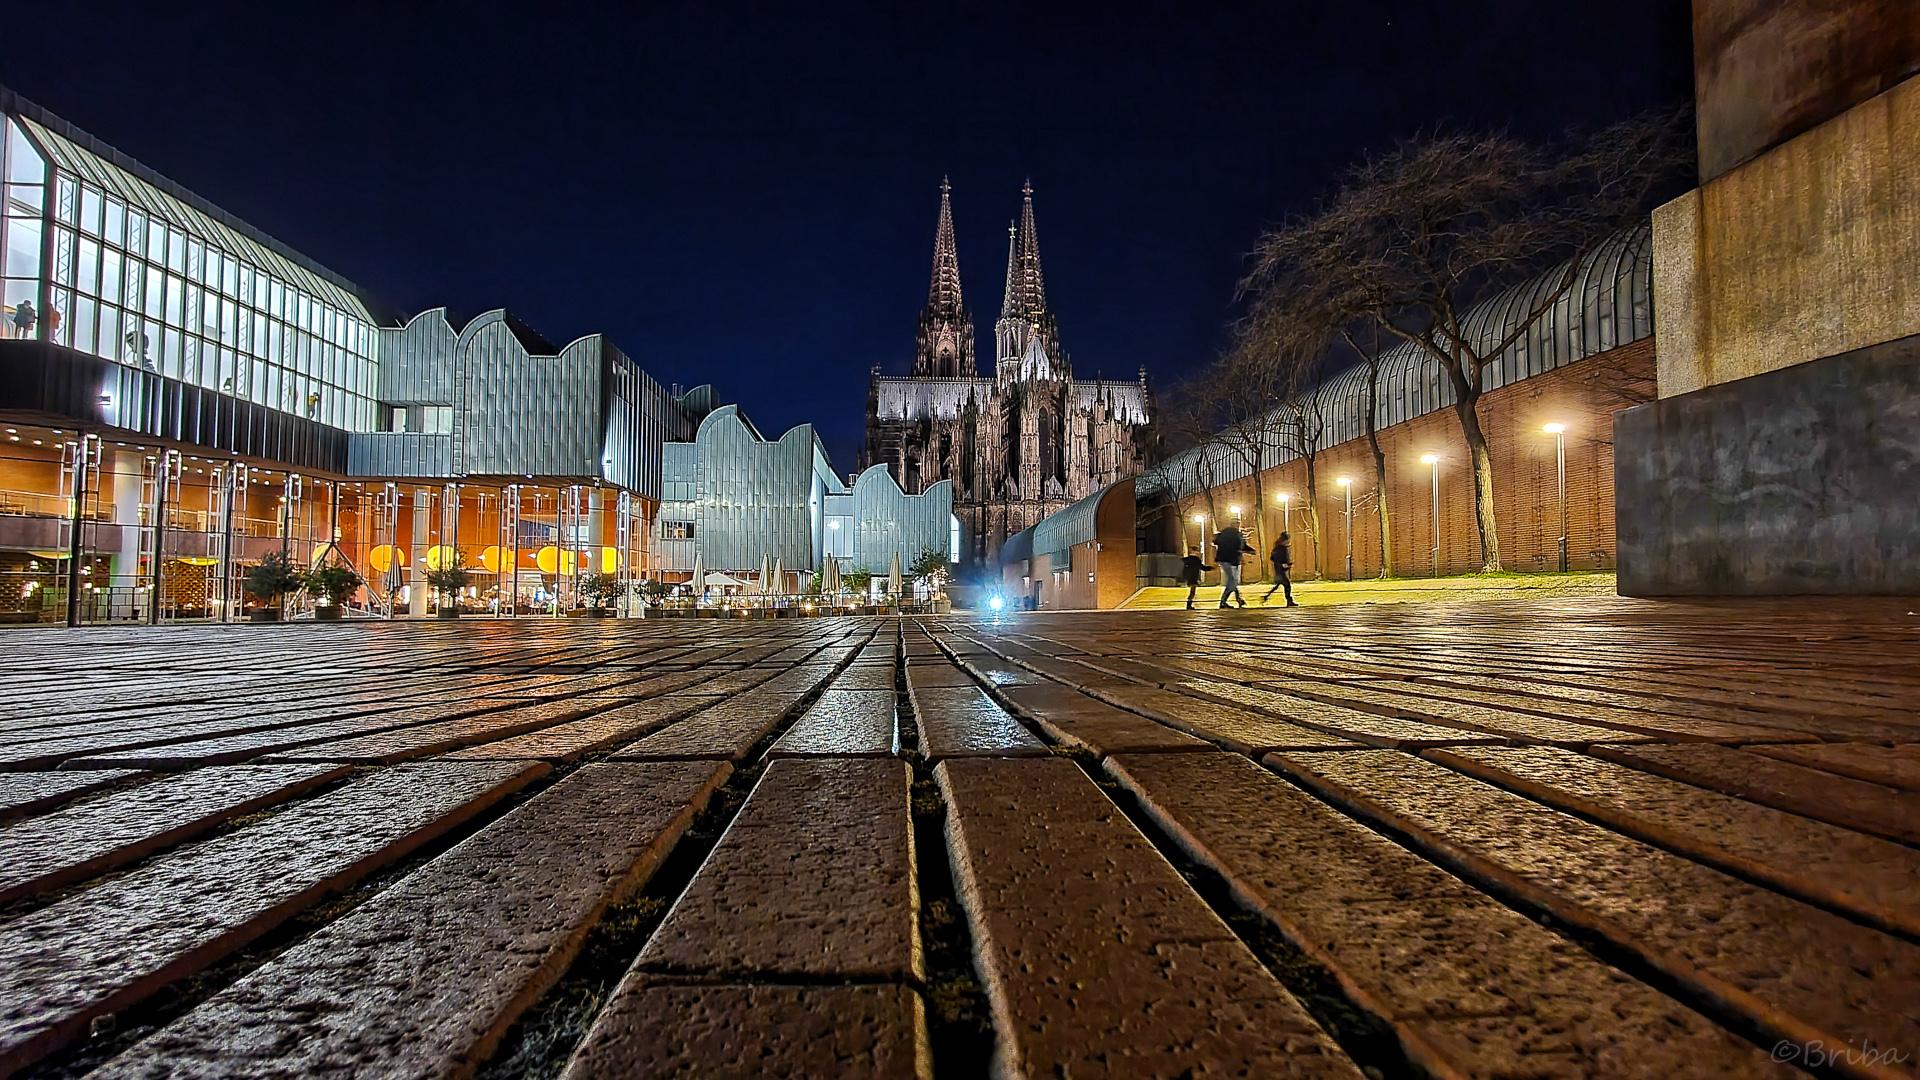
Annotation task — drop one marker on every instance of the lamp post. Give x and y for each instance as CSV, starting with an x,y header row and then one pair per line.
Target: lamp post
x,y
1432,461
1347,484
1201,520
1559,433
1286,512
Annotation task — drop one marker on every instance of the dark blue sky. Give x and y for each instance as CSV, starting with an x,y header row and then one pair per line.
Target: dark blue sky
x,y
745,194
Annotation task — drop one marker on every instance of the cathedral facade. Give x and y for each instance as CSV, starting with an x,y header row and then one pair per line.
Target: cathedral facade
x,y
1020,443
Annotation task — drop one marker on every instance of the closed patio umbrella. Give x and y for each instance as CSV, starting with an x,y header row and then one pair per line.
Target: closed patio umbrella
x,y
766,575
830,578
893,577
699,580
779,578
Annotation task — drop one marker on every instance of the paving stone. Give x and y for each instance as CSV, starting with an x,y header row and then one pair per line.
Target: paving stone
x,y
747,1032
865,677
1518,726
922,676
814,878
1075,719
1097,958
1551,694
423,979
226,749
1237,729
142,731
962,721
998,673
1824,864
22,794
577,738
1894,767
726,731
1791,970
429,739
104,949
123,826
844,723
1361,727
1855,804
1472,987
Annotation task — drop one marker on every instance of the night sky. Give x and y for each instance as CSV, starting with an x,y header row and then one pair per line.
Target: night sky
x,y
746,194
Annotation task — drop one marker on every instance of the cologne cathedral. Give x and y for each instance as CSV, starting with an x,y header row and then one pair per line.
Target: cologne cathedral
x,y
1020,443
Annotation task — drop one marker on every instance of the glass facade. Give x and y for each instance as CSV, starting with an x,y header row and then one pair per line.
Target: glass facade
x,y
112,265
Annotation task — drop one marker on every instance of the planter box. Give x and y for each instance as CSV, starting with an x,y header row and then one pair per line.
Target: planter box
x,y
264,614
449,613
328,613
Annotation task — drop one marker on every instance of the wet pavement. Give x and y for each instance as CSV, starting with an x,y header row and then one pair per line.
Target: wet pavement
x,y
1566,836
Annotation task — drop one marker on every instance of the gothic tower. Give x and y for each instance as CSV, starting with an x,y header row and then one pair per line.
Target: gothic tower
x,y
945,346
1026,339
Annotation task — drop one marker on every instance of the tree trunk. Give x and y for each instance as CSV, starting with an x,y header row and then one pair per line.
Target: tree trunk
x,y
1313,516
1379,470
1466,406
1259,521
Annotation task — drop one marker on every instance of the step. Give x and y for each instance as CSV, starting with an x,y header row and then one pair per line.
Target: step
x,y
1470,986
424,979
104,949
1097,958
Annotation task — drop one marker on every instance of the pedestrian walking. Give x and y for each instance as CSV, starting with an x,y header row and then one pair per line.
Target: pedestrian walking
x,y
1282,569
1229,548
1190,570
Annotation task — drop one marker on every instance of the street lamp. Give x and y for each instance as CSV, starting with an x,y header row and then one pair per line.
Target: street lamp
x,y
1559,433
1347,483
1201,520
1286,512
1432,461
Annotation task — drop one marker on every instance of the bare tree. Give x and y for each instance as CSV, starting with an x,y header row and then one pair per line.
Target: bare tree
x,y
1418,237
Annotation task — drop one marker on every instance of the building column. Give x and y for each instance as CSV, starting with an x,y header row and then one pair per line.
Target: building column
x,y
417,552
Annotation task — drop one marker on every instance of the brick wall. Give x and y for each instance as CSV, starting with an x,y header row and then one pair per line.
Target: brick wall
x,y
1583,396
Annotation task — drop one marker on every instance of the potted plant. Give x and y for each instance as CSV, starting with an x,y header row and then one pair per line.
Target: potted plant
x,y
268,582
332,584
601,589
447,581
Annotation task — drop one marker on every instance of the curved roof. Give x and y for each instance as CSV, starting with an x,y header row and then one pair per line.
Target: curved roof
x,y
1076,523
1609,305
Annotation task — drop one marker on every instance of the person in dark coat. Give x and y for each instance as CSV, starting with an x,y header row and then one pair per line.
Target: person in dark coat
x,y
1282,565
1229,548
1190,570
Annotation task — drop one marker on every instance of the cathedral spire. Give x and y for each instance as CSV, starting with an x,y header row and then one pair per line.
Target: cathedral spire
x,y
944,349
1024,318
943,295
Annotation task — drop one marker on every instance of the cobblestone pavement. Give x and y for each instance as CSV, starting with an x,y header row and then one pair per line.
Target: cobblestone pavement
x,y
1572,837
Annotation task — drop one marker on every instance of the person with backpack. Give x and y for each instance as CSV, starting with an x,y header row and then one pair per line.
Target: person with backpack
x,y
1282,564
1229,548
1190,570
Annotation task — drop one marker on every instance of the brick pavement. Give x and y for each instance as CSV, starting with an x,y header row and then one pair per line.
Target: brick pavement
x,y
1561,837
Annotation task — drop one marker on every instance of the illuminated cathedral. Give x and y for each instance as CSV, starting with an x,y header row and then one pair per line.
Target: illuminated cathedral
x,y
1021,442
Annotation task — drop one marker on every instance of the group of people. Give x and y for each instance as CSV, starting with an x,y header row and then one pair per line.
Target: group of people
x,y
1230,550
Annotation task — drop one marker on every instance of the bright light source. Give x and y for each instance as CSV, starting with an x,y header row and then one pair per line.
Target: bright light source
x,y
1235,509
1554,429
1283,498
1199,519
997,603
1344,481
1428,459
